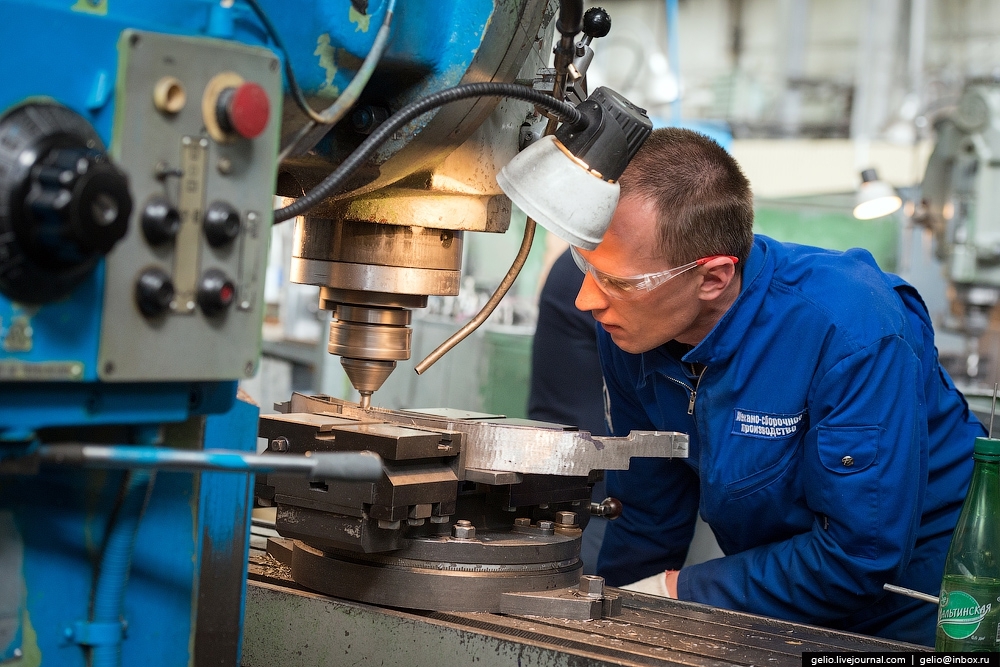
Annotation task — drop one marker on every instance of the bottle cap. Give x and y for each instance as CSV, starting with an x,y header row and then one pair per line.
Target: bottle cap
x,y
987,448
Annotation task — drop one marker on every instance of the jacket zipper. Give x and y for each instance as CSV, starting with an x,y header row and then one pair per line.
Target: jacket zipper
x,y
693,390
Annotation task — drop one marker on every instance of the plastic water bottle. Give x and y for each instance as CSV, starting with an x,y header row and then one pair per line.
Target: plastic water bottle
x,y
969,608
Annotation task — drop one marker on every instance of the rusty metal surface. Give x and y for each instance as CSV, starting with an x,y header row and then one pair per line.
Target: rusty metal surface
x,y
289,627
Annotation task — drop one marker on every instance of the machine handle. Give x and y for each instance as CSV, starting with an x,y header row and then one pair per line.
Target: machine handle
x,y
330,466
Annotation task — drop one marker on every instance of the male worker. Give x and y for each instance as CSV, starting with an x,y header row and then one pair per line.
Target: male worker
x,y
829,451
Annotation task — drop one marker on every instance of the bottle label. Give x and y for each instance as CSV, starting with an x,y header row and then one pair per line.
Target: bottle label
x,y
960,615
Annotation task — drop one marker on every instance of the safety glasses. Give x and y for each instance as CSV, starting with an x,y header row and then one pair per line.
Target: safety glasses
x,y
631,287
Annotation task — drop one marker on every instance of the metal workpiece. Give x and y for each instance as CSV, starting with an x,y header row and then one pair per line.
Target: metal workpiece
x,y
491,444
288,626
549,452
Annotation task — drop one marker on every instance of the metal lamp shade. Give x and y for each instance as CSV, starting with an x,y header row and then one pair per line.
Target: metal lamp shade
x,y
558,193
875,200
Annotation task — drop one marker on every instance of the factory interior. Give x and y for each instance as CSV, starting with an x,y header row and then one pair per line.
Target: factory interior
x,y
268,311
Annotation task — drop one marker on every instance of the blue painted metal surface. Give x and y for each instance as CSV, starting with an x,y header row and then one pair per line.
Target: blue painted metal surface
x,y
185,583
25,407
70,48
62,517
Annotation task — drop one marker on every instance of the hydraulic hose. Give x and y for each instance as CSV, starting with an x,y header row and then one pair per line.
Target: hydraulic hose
x,y
116,561
563,110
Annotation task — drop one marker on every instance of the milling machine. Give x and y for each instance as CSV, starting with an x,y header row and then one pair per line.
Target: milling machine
x,y
138,163
960,204
140,148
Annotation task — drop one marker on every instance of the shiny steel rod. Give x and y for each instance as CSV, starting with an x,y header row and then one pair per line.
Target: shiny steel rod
x,y
487,310
348,466
910,593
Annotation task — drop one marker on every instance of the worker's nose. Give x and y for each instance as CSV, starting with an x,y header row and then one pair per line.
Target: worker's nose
x,y
590,296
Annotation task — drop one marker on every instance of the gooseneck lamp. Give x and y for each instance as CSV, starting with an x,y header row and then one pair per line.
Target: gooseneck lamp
x,y
568,181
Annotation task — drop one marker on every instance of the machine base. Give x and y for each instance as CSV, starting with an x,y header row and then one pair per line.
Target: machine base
x,y
287,626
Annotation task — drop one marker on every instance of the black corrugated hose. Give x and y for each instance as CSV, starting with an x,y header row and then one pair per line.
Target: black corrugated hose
x,y
563,110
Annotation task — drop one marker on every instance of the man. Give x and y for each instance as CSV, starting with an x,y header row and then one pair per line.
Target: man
x,y
829,451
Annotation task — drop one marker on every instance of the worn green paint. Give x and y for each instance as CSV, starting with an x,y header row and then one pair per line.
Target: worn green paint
x,y
327,61
98,7
31,653
361,21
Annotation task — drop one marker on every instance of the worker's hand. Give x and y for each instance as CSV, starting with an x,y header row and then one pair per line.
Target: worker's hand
x,y
663,584
672,583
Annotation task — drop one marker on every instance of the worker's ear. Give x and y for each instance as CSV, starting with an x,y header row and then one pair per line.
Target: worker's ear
x,y
717,274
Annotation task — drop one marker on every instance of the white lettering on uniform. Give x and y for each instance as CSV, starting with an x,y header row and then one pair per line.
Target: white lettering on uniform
x,y
765,425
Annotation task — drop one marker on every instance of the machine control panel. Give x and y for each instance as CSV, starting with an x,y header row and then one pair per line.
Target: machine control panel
x,y
197,132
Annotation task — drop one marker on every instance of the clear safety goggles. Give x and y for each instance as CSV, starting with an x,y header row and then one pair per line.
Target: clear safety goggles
x,y
633,286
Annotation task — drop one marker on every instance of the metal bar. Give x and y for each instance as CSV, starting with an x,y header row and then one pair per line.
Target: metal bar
x,y
347,466
487,310
909,592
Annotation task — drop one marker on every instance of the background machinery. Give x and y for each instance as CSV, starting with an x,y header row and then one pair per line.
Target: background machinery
x,y
959,205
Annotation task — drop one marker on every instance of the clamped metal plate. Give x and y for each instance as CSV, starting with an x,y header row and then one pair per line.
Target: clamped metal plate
x,y
494,445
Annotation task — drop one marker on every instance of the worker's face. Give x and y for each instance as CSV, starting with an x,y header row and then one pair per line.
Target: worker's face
x,y
675,310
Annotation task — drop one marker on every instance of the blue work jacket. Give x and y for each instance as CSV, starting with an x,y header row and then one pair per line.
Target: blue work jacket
x,y
829,451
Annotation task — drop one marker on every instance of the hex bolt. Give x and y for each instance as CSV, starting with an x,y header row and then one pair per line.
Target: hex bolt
x,y
280,444
592,585
522,521
547,527
566,518
463,529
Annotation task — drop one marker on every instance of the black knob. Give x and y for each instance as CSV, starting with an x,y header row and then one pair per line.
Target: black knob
x,y
153,292
215,293
80,203
596,22
222,224
160,220
63,204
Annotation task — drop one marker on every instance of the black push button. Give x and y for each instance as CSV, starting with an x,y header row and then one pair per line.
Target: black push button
x,y
216,292
153,292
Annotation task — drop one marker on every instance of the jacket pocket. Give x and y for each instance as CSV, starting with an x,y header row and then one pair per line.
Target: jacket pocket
x,y
740,488
849,486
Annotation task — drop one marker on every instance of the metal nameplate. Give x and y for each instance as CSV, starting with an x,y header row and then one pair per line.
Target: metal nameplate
x,y
44,371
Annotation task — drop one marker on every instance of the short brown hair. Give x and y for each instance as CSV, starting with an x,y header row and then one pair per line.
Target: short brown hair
x,y
704,201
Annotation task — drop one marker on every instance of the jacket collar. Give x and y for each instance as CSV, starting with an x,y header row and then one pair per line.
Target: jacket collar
x,y
725,337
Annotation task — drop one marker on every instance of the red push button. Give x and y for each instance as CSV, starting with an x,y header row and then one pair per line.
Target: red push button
x,y
244,110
